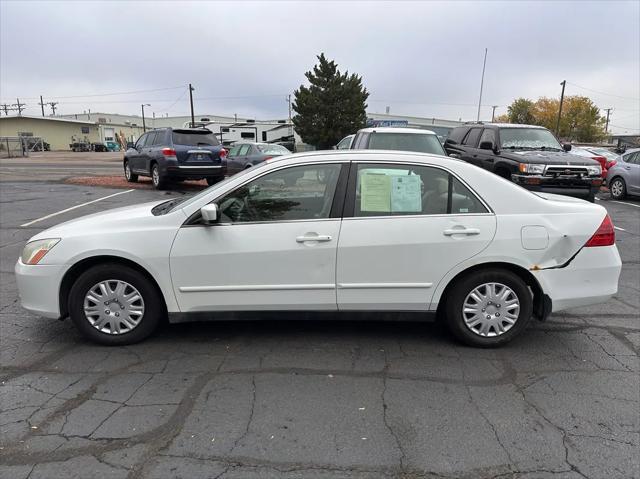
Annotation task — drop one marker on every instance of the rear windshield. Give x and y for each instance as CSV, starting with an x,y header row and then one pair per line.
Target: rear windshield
x,y
273,150
194,138
406,142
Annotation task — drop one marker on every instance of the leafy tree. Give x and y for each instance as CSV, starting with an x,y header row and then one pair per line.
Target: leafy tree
x,y
521,111
581,120
331,107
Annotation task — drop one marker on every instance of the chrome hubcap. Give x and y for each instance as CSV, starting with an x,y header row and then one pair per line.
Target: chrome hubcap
x,y
156,176
616,188
491,309
127,171
113,306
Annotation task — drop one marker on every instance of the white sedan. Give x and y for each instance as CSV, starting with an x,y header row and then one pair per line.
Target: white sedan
x,y
329,231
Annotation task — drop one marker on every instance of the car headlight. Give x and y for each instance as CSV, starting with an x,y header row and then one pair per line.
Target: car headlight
x,y
34,251
531,169
594,170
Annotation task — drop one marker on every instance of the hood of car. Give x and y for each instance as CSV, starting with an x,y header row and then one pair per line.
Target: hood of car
x,y
118,218
547,157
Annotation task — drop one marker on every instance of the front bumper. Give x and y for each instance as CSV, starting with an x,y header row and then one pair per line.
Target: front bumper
x,y
570,186
39,287
590,278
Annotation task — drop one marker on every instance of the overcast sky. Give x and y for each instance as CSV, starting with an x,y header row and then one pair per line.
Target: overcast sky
x,y
418,58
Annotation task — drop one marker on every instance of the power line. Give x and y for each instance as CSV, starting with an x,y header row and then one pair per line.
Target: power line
x,y
604,93
109,94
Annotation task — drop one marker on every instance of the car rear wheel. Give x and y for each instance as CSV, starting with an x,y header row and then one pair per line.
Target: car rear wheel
x,y
131,177
114,304
159,181
488,308
618,189
213,180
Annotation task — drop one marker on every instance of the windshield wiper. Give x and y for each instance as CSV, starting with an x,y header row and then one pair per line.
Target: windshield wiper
x,y
551,148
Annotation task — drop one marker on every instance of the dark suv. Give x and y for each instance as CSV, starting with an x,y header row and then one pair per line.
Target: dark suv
x,y
168,154
528,155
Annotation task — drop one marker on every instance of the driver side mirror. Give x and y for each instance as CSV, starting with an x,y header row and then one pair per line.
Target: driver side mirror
x,y
566,146
209,213
486,145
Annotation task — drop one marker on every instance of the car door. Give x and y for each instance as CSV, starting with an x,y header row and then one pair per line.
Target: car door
x,y
134,155
632,166
486,157
470,146
147,152
240,161
274,247
405,226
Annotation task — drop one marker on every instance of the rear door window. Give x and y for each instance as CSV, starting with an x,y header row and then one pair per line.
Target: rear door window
x,y
399,190
194,138
244,150
159,139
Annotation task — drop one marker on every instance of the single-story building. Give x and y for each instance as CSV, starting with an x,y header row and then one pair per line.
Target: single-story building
x,y
61,132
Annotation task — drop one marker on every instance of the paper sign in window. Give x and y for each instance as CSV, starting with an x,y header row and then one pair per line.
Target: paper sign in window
x,y
375,192
406,194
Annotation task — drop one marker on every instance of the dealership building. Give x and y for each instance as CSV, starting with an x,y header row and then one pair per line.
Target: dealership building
x,y
63,130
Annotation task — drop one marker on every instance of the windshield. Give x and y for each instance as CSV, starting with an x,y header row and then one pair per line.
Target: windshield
x,y
528,138
424,143
194,138
186,202
273,150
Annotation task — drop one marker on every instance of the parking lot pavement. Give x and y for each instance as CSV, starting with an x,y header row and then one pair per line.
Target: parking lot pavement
x,y
311,399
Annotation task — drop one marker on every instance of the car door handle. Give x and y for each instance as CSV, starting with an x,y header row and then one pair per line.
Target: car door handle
x,y
461,231
304,238
627,167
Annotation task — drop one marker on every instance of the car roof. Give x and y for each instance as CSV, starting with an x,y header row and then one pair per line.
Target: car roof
x,y
396,129
392,156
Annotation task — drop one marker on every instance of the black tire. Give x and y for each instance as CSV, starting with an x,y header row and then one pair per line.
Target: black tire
x,y
159,182
128,174
213,180
620,187
463,287
154,308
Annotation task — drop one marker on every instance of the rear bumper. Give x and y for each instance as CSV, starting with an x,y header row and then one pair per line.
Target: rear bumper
x,y
581,188
195,171
38,287
590,278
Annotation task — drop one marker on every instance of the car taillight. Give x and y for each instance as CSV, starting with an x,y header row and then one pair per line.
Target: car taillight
x,y
268,158
223,153
168,152
600,159
605,235
611,164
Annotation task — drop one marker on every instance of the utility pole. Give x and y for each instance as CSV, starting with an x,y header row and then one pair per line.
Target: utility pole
x,y
19,106
289,101
144,126
493,113
53,107
6,107
193,120
484,64
41,105
563,83
606,126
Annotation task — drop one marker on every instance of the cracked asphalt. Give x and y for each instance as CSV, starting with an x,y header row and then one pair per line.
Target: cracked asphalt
x,y
314,399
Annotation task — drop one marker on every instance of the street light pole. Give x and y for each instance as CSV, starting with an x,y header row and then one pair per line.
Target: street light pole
x,y
193,121
484,64
493,113
563,83
144,126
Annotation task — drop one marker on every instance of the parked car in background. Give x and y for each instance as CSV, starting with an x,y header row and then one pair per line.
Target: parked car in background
x,y
168,154
99,147
345,143
605,159
245,155
112,145
398,139
80,146
623,176
528,155
383,231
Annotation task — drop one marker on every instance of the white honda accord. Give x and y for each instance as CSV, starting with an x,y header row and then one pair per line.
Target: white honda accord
x,y
329,231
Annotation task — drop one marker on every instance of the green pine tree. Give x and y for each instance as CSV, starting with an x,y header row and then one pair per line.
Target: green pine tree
x,y
332,107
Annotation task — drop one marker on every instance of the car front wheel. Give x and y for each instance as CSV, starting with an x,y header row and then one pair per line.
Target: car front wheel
x,y
128,174
114,304
488,308
618,189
